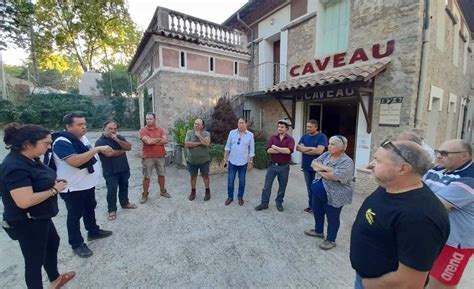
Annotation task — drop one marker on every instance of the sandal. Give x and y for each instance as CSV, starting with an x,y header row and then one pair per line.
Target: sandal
x,y
130,206
64,278
112,216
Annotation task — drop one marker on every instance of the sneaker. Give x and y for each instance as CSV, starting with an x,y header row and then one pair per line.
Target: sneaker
x,y
165,194
83,251
308,210
144,198
327,245
99,235
261,207
313,233
279,207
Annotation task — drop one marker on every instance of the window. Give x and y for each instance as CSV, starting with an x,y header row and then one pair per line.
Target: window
x,y
182,59
333,27
211,64
236,68
246,114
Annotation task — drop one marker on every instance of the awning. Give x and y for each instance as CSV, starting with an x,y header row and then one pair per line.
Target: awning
x,y
360,72
354,81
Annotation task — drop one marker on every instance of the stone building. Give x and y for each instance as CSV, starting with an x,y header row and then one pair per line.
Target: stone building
x,y
185,64
364,69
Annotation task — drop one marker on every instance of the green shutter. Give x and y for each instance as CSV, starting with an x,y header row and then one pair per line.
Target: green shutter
x,y
335,24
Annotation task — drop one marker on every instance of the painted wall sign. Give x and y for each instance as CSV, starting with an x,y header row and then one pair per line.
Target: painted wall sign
x,y
327,94
342,59
145,73
390,108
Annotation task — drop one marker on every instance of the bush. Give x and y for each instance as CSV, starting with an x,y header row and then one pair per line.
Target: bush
x,y
7,111
181,127
216,152
262,159
223,121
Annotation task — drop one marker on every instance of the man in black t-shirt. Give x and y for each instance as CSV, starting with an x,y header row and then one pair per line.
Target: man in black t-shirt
x,y
115,168
401,228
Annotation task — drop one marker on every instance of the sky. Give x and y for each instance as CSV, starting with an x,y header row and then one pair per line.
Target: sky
x,y
142,11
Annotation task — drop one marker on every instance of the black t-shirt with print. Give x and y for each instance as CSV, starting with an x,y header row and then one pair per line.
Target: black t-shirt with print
x,y
410,228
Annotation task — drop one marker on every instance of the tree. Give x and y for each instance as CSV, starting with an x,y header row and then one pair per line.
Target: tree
x,y
91,31
117,81
16,71
14,23
223,121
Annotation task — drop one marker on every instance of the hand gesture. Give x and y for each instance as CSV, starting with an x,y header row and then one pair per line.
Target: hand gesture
x,y
60,185
114,136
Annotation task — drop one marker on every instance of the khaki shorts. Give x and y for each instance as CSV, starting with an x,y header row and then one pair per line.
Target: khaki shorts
x,y
153,163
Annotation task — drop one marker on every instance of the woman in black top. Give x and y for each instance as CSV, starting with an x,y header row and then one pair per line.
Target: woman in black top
x,y
28,189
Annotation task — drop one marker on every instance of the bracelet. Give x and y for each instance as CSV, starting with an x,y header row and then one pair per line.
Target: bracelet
x,y
54,190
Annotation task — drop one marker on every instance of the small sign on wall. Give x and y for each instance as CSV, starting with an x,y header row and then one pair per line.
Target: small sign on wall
x,y
390,108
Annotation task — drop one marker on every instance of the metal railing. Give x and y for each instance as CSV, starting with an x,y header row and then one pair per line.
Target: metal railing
x,y
264,75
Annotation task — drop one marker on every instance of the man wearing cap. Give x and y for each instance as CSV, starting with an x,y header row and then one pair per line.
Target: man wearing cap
x,y
280,146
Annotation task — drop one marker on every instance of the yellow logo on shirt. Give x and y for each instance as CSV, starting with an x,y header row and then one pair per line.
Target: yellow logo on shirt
x,y
369,215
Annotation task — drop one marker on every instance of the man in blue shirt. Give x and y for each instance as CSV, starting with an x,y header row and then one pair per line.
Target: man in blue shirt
x,y
311,145
238,155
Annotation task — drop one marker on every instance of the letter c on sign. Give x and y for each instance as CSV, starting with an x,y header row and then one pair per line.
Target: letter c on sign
x,y
292,71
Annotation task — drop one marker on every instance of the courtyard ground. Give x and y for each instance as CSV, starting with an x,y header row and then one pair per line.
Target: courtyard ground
x,y
175,243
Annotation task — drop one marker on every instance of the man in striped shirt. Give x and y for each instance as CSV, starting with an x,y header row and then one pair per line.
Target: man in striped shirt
x,y
452,180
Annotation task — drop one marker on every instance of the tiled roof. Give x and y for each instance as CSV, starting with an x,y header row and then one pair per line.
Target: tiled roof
x,y
359,72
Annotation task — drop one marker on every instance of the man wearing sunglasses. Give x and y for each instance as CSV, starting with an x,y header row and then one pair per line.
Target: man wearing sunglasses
x,y
238,155
452,180
400,228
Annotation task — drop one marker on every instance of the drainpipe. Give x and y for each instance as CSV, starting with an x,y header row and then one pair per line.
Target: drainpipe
x,y
251,35
420,98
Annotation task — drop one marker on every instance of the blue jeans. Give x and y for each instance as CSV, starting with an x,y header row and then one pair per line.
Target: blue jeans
x,y
80,204
308,178
358,282
119,180
281,172
233,169
321,208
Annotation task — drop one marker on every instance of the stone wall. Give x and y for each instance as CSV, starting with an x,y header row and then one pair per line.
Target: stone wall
x,y
302,45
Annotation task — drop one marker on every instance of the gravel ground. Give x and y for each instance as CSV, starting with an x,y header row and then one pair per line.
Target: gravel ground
x,y
175,243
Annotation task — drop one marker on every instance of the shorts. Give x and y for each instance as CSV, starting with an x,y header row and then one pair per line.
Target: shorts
x,y
450,265
156,163
193,169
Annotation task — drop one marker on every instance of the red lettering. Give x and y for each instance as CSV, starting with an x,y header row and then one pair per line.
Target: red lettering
x,y
359,55
308,68
292,71
389,50
322,66
338,59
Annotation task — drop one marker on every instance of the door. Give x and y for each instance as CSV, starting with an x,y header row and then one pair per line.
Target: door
x,y
276,62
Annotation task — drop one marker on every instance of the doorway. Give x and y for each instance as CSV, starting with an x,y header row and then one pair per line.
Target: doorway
x,y
336,118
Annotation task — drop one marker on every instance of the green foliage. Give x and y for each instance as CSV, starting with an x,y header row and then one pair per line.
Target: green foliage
x,y
14,19
117,81
223,121
262,159
16,71
181,127
216,152
92,31
48,110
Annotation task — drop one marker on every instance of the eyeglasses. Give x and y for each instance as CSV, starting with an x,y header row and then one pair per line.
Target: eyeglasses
x,y
387,142
446,153
238,141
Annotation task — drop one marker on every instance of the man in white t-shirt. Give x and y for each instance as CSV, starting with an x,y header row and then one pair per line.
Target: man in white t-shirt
x,y
75,163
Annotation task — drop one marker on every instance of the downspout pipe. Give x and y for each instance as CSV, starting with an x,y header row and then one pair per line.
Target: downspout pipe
x,y
420,98
251,35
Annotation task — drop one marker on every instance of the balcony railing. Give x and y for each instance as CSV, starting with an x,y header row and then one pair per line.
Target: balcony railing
x,y
186,25
265,75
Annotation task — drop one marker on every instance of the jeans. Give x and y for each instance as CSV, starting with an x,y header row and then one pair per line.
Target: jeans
x,y
358,282
119,180
321,208
281,172
308,178
80,204
39,243
233,169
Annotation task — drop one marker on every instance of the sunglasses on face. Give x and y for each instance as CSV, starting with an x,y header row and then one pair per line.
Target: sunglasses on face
x,y
388,142
446,153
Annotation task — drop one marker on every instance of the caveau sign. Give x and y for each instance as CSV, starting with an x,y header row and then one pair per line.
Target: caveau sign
x,y
327,94
342,59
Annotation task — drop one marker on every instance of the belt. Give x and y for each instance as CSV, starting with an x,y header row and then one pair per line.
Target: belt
x,y
279,164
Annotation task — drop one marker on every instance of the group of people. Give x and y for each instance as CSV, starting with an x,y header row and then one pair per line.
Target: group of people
x,y
419,222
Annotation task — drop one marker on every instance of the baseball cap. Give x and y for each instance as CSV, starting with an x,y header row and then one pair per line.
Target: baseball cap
x,y
284,121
